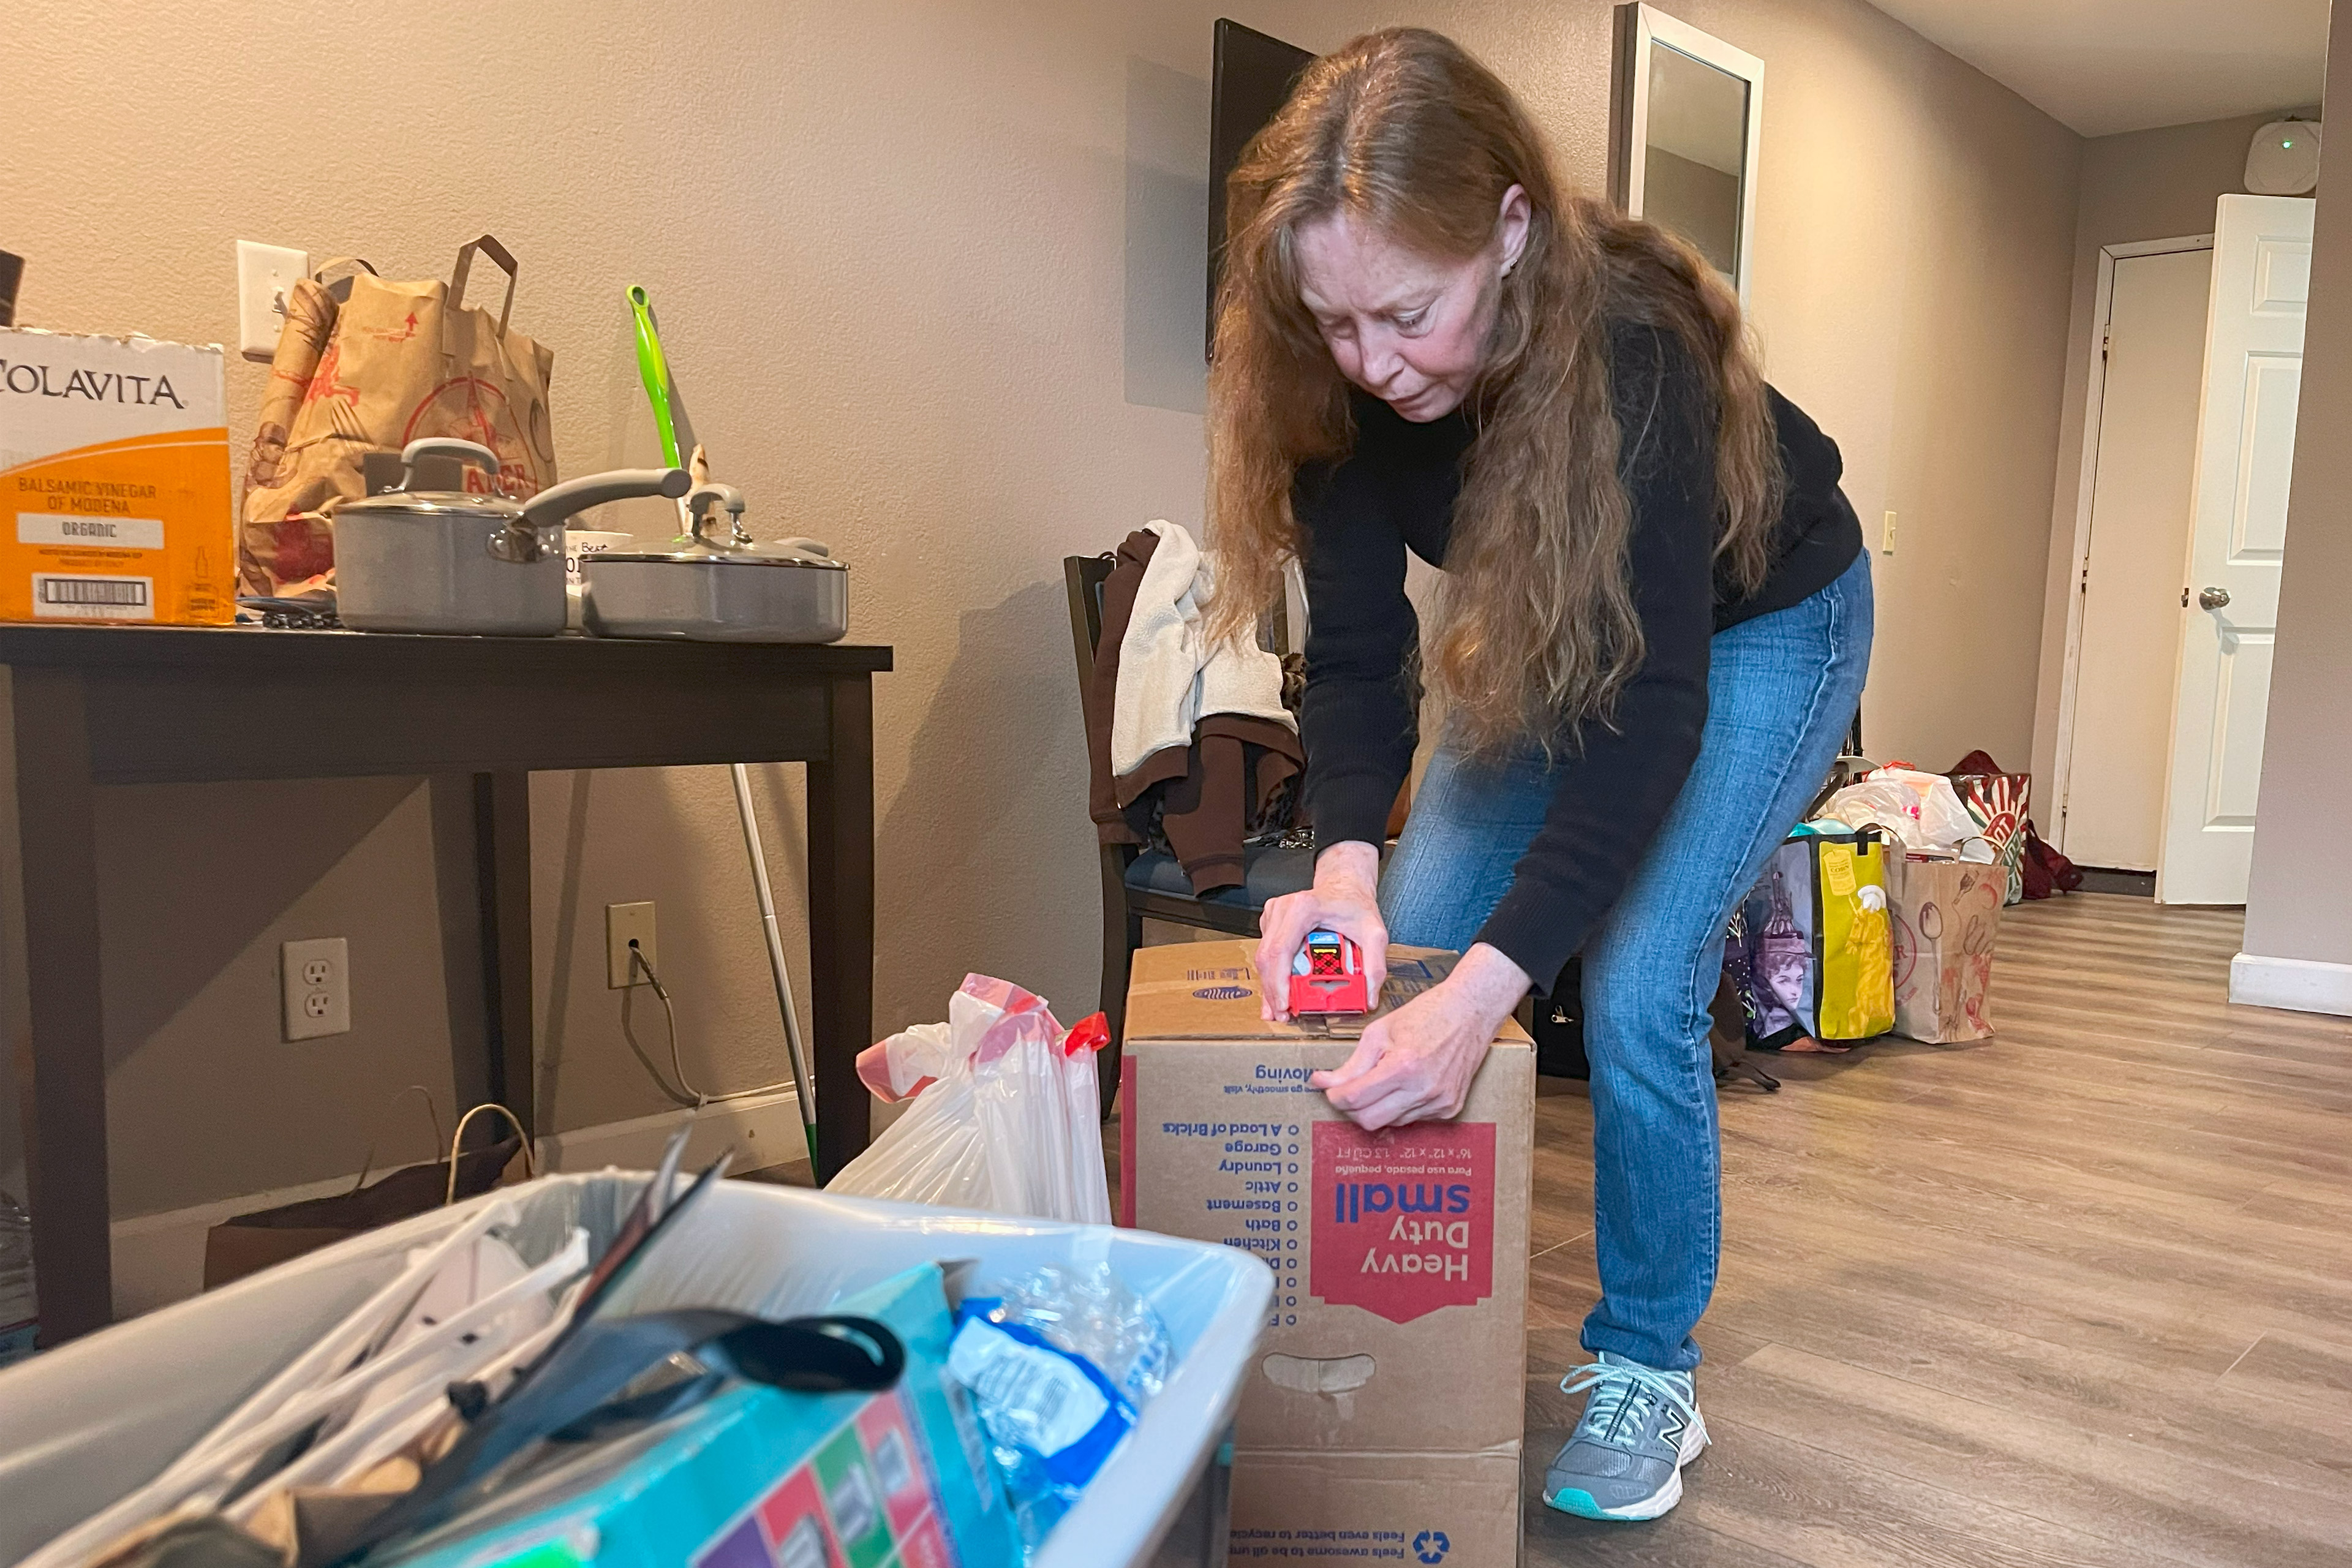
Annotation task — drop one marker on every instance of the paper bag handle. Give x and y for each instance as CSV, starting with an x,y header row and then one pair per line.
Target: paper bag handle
x,y
457,1140
432,1114
338,288
488,246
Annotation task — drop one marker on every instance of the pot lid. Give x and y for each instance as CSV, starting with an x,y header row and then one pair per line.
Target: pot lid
x,y
433,503
796,551
758,555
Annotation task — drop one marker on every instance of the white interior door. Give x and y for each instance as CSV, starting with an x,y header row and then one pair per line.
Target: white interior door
x,y
2113,814
2229,614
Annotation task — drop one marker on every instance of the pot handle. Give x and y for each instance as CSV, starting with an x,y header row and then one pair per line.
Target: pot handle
x,y
472,452
699,502
551,506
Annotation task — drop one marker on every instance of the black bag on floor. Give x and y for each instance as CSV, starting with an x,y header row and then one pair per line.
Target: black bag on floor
x,y
1559,1032
1559,1027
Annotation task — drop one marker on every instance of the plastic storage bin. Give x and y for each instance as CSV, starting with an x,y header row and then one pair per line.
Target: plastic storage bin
x,y
82,1425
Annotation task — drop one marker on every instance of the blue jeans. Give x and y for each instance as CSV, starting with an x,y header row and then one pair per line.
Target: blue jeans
x,y
1782,690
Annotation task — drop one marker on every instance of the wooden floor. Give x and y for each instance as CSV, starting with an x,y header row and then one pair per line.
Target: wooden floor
x,y
2079,1294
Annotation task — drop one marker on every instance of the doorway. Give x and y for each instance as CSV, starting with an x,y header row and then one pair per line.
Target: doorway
x,y
2203,555
2237,546
2141,461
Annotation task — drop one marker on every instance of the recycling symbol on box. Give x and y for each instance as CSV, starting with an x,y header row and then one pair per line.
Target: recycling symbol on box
x,y
1430,1546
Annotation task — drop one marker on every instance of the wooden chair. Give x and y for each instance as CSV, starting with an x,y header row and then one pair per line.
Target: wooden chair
x,y
1139,884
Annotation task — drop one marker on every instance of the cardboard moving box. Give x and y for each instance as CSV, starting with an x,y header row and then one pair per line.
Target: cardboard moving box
x,y
1387,1406
114,487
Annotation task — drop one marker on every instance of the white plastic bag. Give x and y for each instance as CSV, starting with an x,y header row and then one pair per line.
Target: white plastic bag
x,y
1922,811
1005,1115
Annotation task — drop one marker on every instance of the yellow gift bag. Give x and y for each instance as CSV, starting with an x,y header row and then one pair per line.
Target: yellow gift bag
x,y
1813,951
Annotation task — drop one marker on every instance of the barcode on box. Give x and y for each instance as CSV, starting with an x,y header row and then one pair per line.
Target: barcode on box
x,y
57,596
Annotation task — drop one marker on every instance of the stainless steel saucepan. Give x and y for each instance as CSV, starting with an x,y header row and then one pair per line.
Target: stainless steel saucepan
x,y
725,588
452,562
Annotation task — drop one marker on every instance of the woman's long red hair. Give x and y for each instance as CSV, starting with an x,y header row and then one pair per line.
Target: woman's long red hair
x,y
1535,629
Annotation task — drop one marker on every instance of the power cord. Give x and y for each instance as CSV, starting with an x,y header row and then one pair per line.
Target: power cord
x,y
686,1093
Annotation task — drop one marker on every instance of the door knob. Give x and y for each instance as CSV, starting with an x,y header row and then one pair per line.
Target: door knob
x,y
2213,599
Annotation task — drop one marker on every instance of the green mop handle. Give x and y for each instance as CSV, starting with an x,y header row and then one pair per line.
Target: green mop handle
x,y
653,369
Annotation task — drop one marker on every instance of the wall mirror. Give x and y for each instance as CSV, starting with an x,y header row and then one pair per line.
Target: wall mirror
x,y
1685,113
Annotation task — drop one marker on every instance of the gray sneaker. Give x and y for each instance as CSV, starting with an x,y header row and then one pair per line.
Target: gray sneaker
x,y
1625,1460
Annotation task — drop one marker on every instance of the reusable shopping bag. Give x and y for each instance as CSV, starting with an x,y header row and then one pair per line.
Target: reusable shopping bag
x,y
1812,952
1999,800
1947,915
391,363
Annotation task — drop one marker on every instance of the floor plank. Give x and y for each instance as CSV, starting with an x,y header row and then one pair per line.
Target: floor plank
x,y
2081,1293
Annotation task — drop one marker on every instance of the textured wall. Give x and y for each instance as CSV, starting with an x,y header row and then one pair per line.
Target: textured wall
x,y
929,275
2299,899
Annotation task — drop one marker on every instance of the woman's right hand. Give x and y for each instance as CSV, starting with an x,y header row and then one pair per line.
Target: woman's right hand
x,y
1344,899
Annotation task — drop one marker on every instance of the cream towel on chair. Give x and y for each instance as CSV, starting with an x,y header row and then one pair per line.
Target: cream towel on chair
x,y
1169,679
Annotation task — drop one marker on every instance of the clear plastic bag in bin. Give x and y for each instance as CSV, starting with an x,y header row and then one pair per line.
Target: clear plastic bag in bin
x,y
1086,1310
1059,1362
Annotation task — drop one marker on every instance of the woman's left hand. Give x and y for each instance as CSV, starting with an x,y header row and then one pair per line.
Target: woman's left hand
x,y
1416,1064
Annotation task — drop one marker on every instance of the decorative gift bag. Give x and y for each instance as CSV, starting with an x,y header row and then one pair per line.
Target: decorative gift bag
x,y
1813,954
2001,802
400,361
1947,917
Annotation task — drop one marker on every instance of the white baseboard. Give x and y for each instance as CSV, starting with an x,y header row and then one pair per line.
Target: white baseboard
x,y
158,1258
2299,984
764,1130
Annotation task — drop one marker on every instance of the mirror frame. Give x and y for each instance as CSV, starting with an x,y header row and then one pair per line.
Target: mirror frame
x,y
1639,30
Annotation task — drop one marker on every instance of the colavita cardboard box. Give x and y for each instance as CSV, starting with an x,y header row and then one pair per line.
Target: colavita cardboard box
x,y
114,487
1387,1403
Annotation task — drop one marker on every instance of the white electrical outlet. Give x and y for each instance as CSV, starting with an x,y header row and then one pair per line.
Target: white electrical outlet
x,y
317,979
1887,536
624,923
265,274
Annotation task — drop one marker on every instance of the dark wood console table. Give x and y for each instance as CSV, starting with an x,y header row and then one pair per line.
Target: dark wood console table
x,y
109,705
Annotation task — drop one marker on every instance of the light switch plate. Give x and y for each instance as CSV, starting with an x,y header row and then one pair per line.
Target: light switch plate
x,y
265,275
316,976
1887,536
621,923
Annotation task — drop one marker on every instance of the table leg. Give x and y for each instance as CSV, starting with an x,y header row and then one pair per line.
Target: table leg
x,y
62,1067
502,873
841,921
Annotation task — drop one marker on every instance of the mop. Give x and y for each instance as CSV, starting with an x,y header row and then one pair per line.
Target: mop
x,y
653,369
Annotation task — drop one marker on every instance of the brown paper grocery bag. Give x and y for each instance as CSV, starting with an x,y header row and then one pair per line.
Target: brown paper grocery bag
x,y
281,555
401,360
1947,917
252,1242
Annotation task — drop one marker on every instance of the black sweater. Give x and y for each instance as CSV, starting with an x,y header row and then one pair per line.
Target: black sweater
x,y
1396,491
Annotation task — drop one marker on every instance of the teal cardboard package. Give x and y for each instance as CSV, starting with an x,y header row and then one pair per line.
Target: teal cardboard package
x,y
759,1478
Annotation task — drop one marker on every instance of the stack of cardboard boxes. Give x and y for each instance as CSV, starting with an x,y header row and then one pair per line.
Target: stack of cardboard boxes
x,y
1384,1418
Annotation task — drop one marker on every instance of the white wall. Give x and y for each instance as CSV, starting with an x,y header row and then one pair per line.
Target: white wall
x,y
2299,897
929,274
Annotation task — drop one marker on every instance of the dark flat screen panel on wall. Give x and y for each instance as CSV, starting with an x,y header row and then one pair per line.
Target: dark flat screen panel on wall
x,y
1252,77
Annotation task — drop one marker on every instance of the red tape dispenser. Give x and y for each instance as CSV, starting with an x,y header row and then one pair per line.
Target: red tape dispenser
x,y
1328,977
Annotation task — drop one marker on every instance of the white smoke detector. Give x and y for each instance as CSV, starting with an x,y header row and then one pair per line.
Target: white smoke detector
x,y
2284,159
